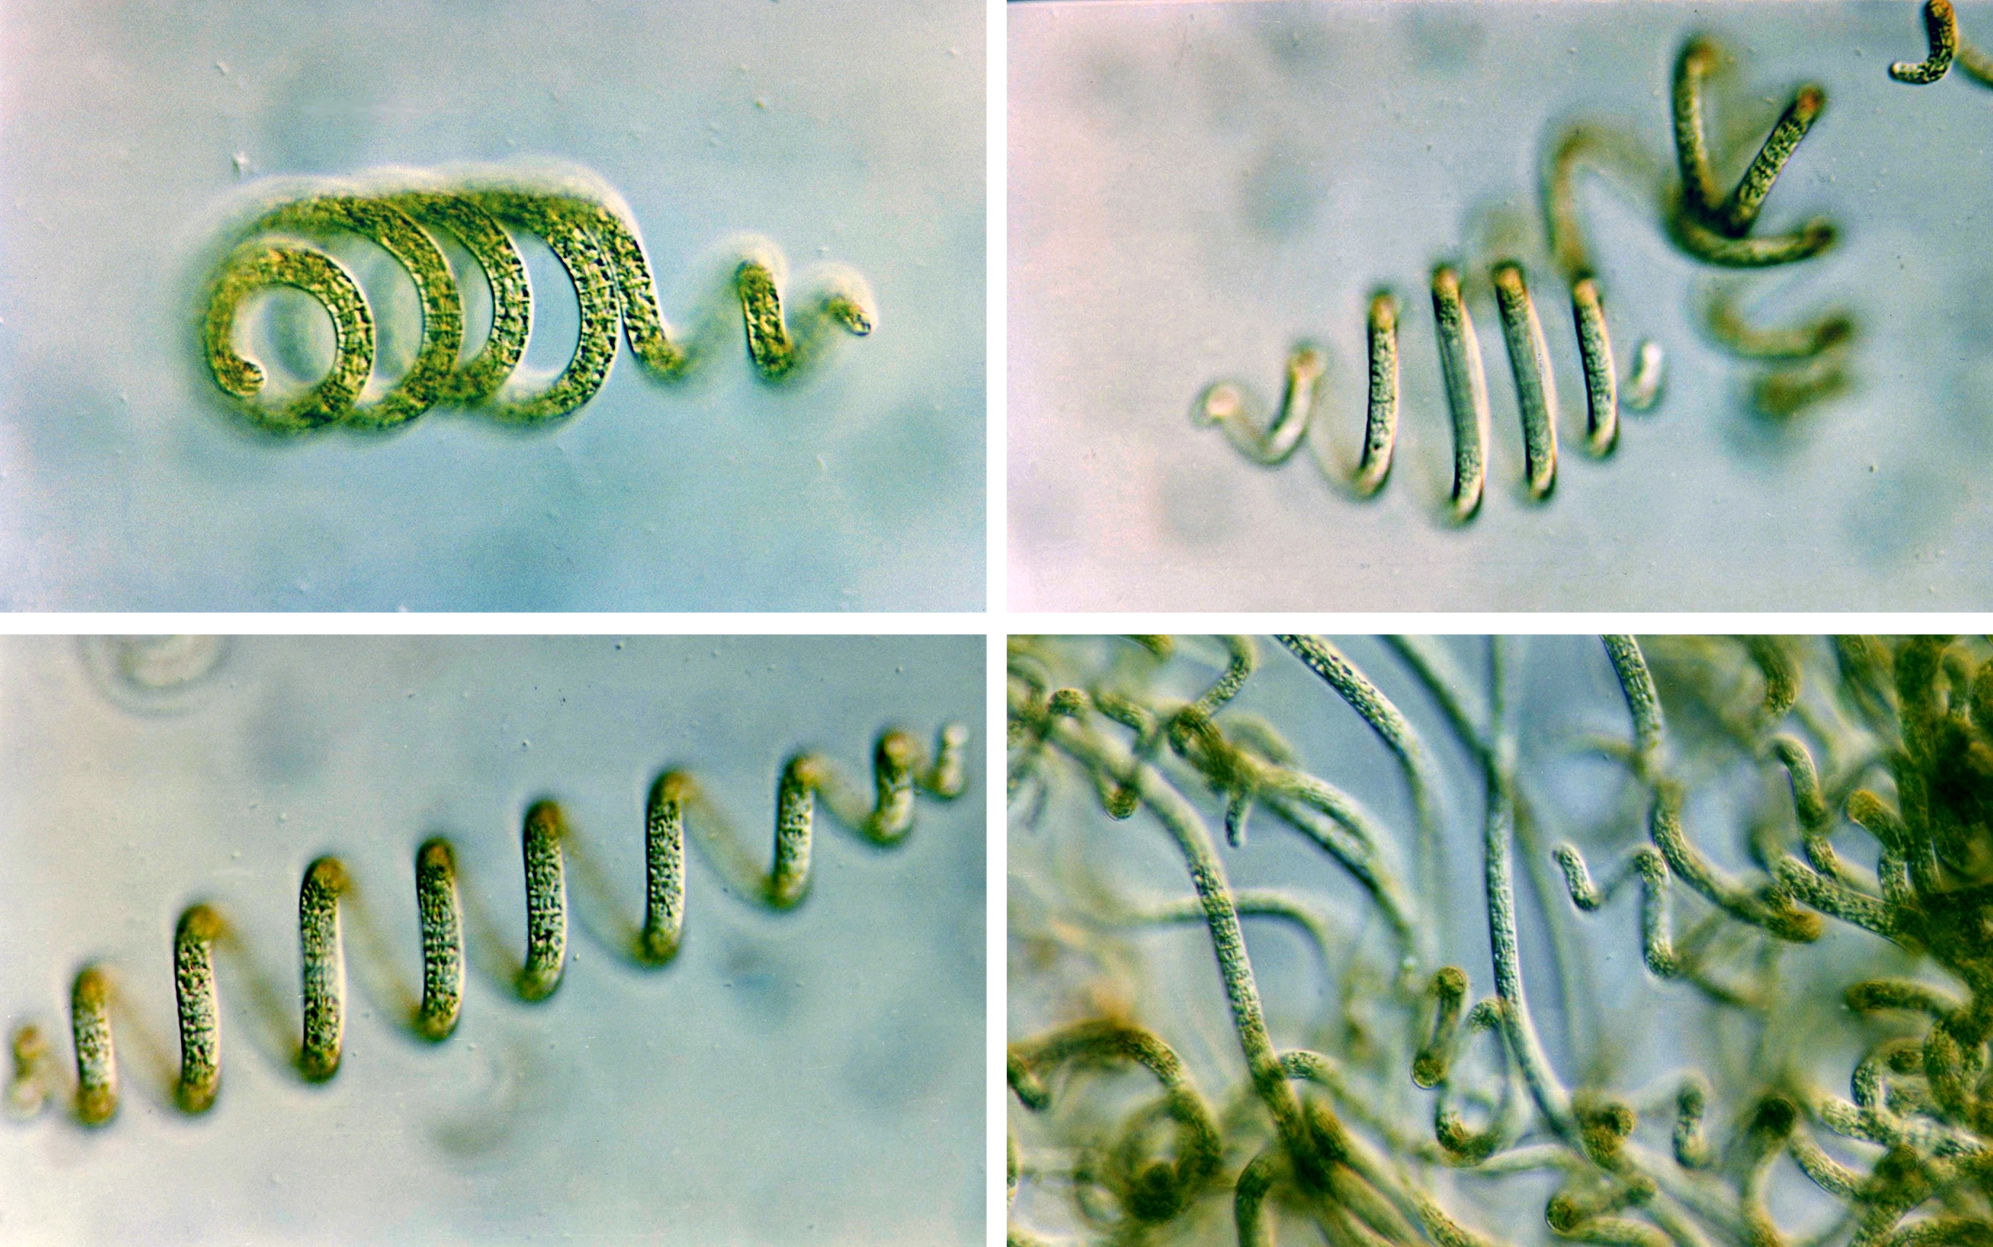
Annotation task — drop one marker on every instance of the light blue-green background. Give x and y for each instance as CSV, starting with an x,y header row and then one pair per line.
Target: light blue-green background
x,y
1195,187
845,132
815,1076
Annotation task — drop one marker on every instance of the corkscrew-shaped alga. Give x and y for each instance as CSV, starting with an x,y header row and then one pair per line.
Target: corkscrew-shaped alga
x,y
1805,364
884,817
594,238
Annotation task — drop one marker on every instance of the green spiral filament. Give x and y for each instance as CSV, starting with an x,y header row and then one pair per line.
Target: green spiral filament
x,y
1715,230
328,898
595,241
1808,364
1229,405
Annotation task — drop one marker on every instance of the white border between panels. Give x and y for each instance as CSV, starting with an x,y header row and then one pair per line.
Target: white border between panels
x,y
524,623
1516,624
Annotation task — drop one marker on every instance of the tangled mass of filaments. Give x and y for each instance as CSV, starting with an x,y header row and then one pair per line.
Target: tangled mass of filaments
x,y
901,770
1800,365
595,241
1858,750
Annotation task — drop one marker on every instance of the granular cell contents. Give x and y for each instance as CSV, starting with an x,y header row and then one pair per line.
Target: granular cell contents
x,y
595,241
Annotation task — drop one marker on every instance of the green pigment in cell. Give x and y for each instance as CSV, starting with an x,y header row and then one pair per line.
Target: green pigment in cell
x,y
596,245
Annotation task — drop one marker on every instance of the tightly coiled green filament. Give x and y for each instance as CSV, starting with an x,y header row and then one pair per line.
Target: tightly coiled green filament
x,y
885,816
596,244
1226,403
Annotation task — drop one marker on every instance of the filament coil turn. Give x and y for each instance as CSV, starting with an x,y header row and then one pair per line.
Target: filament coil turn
x,y
595,242
1947,47
901,770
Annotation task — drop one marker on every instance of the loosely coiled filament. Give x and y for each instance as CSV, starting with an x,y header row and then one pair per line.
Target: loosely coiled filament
x,y
596,243
885,817
1706,223
1227,405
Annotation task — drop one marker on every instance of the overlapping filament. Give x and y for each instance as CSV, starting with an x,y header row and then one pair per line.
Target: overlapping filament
x,y
901,770
1891,737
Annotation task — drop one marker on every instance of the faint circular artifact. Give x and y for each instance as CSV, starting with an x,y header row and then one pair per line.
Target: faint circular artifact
x,y
153,674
